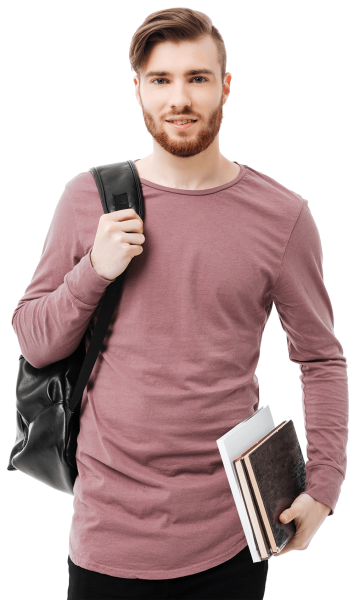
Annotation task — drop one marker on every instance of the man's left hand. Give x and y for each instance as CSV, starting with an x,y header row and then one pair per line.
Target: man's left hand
x,y
308,515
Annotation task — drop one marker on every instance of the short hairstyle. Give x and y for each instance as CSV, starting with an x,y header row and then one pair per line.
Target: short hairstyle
x,y
173,25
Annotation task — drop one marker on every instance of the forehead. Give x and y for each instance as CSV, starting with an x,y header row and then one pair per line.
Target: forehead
x,y
180,57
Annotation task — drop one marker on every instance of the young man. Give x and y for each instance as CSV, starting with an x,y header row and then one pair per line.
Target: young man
x,y
154,516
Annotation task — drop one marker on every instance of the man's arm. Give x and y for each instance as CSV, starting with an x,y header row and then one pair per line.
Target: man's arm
x,y
53,314
306,315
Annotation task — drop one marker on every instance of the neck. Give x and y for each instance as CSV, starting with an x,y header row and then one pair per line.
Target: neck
x,y
204,170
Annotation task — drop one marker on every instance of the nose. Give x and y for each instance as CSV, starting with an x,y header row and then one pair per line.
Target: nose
x,y
179,98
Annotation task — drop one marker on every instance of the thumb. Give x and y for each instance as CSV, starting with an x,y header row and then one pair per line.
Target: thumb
x,y
287,515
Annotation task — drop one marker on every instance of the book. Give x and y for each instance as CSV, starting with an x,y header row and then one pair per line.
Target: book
x,y
266,472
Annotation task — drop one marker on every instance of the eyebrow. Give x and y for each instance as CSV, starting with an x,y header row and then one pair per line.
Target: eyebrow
x,y
186,74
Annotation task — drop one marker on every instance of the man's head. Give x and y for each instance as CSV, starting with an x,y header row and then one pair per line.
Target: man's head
x,y
180,61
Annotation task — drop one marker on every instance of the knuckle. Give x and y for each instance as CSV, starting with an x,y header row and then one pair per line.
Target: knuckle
x,y
110,227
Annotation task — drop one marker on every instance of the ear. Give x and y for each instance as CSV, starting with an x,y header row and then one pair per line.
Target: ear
x,y
226,86
137,89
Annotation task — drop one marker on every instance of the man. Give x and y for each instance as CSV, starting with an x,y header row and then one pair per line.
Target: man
x,y
221,242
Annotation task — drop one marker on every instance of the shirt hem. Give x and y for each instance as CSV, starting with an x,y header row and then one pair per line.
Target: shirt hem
x,y
171,574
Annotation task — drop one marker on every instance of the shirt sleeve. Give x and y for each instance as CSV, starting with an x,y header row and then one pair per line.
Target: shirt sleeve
x,y
53,314
306,315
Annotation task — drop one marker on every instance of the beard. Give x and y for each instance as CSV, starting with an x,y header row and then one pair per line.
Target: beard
x,y
182,146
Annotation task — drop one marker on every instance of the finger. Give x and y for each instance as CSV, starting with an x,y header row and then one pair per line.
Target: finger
x,y
284,550
123,214
293,544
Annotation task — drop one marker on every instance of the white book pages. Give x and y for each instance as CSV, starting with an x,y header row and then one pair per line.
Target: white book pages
x,y
231,445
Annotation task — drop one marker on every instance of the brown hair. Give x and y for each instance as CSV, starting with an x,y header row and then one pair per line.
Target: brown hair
x,y
173,24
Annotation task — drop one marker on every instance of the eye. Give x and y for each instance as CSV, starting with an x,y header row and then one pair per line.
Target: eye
x,y
163,79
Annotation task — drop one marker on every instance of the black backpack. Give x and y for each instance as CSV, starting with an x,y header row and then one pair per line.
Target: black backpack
x,y
49,399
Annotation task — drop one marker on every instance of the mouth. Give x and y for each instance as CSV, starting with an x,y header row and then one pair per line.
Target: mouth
x,y
182,123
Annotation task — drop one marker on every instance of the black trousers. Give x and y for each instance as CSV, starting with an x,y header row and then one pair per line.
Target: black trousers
x,y
236,579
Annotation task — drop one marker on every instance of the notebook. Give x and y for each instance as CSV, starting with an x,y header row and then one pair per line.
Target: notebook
x,y
266,472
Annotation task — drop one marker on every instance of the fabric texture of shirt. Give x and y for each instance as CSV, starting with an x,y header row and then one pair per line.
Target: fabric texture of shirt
x,y
177,367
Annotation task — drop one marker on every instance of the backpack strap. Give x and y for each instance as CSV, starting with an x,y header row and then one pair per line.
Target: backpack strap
x,y
119,188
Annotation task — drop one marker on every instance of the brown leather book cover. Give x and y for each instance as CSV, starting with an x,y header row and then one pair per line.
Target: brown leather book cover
x,y
276,470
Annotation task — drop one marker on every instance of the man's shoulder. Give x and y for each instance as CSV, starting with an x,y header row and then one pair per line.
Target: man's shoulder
x,y
275,193
82,195
82,183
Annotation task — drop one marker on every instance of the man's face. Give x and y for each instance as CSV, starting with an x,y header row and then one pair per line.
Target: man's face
x,y
173,84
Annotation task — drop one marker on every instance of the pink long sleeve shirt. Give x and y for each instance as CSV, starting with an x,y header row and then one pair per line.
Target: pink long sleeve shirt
x,y
177,367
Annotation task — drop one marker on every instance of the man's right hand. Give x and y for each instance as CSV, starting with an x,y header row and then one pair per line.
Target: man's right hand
x,y
118,238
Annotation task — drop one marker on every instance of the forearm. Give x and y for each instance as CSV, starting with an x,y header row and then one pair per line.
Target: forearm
x,y
51,326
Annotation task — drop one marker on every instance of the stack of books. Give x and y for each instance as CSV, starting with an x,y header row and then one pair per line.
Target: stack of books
x,y
266,472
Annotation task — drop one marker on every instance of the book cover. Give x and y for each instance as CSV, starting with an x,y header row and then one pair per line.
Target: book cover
x,y
276,470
